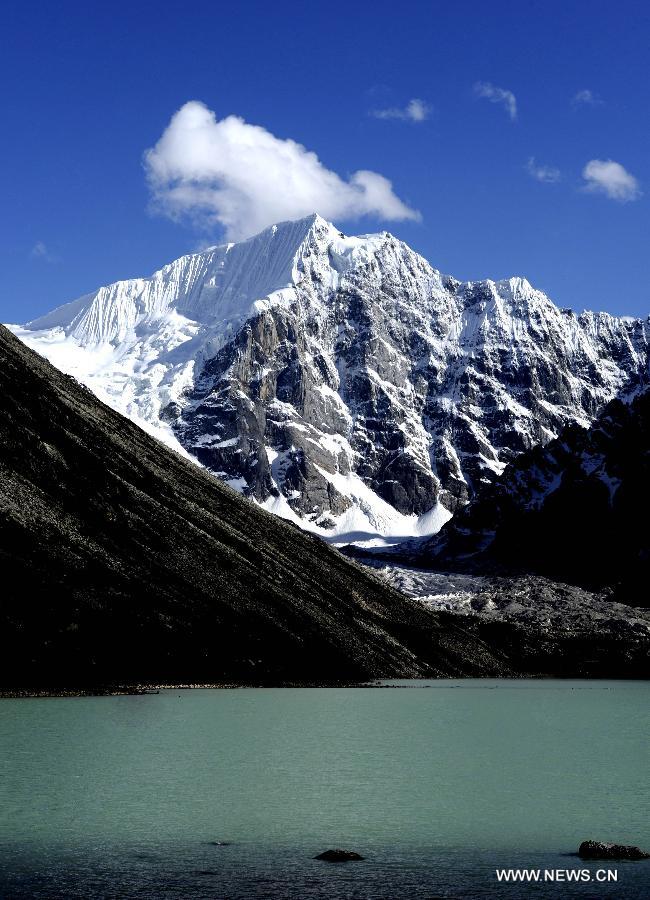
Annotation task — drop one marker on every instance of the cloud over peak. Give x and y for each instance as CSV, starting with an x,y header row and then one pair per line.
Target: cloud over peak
x,y
414,111
604,176
487,91
244,178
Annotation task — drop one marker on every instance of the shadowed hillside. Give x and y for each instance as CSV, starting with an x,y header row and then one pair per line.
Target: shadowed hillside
x,y
123,562
575,509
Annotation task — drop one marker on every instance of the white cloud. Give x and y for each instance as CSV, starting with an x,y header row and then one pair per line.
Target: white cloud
x,y
414,111
40,251
586,98
548,174
610,178
244,178
495,94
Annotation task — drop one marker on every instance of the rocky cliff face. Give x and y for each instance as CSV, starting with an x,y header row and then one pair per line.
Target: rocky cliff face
x,y
343,382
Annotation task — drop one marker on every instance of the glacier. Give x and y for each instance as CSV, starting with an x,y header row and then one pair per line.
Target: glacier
x,y
342,382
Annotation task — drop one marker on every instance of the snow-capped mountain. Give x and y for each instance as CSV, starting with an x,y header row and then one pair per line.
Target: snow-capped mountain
x,y
342,381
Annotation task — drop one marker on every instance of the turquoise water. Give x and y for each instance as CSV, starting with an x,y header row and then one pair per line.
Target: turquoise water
x,y
436,784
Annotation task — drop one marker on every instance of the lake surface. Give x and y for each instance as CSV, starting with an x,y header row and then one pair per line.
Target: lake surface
x,y
437,784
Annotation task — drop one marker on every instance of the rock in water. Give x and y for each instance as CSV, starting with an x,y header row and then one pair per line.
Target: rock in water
x,y
339,856
601,850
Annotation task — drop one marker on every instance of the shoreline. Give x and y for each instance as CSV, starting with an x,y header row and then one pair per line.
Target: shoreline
x,y
143,690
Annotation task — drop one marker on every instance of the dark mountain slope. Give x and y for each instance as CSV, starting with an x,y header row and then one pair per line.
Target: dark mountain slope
x,y
576,509
123,562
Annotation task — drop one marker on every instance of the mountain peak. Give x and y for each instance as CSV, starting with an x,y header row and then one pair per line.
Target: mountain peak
x,y
341,380
223,282
517,286
296,227
289,235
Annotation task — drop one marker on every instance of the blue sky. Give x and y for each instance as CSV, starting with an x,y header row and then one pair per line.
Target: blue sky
x,y
88,88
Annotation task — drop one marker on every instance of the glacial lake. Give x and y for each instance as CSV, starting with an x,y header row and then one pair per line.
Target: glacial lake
x,y
437,784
